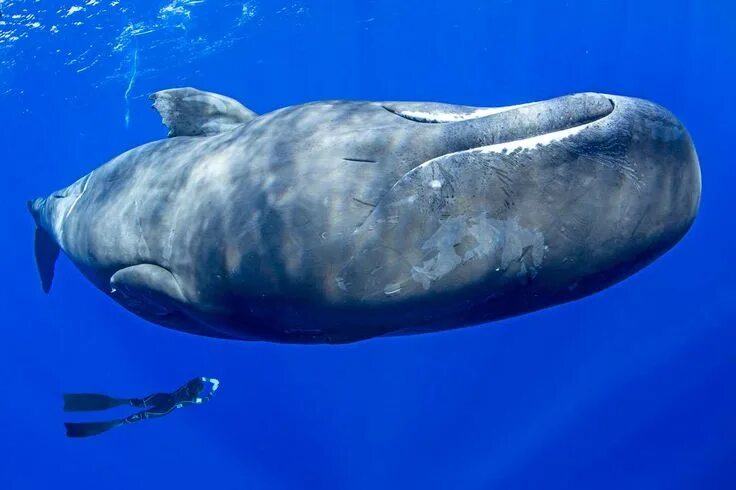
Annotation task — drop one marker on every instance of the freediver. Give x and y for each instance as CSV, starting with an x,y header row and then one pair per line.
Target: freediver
x,y
195,392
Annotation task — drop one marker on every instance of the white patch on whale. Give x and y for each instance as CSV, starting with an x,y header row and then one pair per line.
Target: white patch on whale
x,y
533,142
448,117
481,237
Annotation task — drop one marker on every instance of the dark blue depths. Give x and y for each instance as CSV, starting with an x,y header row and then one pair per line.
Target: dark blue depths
x,y
632,388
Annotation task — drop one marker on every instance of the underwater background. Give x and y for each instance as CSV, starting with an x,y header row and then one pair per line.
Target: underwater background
x,y
633,388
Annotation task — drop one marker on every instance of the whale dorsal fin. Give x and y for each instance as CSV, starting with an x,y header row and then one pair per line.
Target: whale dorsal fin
x,y
191,112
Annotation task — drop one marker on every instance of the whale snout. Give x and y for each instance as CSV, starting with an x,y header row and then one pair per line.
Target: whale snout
x,y
661,155
627,189
667,163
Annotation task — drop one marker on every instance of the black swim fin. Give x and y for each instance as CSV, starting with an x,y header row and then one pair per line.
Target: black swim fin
x,y
85,402
89,429
45,248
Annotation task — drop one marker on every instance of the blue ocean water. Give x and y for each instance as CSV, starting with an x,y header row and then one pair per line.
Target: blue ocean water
x,y
631,388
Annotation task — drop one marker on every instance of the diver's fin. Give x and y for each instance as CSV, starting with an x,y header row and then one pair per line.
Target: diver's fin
x,y
46,249
88,429
86,402
147,289
191,112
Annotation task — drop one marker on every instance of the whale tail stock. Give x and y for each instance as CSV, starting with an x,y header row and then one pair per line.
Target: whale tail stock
x,y
46,249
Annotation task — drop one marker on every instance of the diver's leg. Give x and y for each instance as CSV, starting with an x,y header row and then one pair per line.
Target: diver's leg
x,y
87,429
151,413
84,402
154,400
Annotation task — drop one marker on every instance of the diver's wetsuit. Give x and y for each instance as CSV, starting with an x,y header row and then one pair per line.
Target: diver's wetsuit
x,y
195,392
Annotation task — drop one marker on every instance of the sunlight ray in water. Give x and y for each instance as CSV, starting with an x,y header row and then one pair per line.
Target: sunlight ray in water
x,y
174,32
131,83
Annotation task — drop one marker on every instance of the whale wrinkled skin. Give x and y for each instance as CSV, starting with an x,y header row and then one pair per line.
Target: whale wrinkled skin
x,y
339,221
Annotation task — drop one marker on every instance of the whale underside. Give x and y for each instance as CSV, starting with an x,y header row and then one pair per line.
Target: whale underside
x,y
340,221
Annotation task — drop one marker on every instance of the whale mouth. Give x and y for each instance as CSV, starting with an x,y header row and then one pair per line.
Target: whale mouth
x,y
556,132
529,126
442,113
513,126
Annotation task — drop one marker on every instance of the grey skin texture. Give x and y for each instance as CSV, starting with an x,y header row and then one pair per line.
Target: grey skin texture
x,y
339,221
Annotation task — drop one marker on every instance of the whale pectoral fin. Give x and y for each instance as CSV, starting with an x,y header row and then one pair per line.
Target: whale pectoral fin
x,y
192,112
147,289
153,293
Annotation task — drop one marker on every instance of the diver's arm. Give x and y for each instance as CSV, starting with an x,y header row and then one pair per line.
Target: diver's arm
x,y
214,384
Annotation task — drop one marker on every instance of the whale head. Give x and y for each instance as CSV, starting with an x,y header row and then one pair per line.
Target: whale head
x,y
514,209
